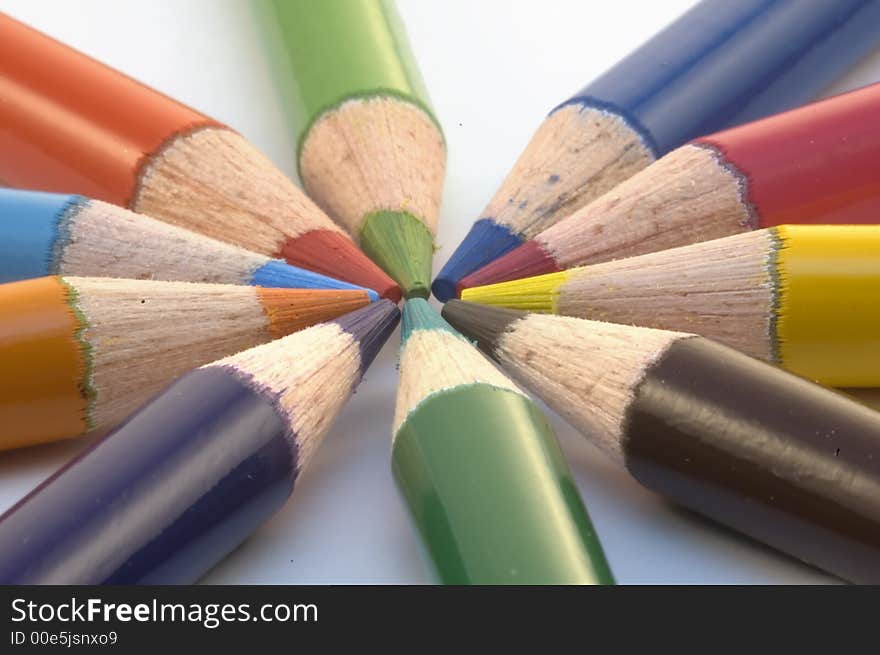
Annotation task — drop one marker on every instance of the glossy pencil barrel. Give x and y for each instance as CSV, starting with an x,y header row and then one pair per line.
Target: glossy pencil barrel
x,y
29,228
42,392
815,164
73,124
725,63
827,311
491,493
367,55
776,457
214,460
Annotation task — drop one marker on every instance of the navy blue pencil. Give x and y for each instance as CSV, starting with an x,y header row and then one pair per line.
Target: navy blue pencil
x,y
721,64
167,495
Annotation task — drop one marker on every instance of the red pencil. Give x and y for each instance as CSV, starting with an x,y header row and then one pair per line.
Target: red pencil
x,y
815,164
70,124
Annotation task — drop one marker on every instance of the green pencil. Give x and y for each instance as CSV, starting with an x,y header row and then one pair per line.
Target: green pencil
x,y
370,152
481,469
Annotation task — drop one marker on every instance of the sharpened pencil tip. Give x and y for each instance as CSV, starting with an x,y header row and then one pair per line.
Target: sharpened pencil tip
x,y
485,242
482,323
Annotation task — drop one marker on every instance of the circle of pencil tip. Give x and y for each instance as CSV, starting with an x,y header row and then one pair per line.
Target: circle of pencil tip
x,y
797,295
60,234
165,160
87,351
683,82
216,455
786,461
729,182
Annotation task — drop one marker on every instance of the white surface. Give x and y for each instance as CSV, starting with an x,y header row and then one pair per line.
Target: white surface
x,y
493,70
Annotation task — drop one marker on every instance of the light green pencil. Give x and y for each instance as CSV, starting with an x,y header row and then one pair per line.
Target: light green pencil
x,y
371,152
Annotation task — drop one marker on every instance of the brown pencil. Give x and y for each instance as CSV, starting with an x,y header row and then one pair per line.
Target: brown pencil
x,y
783,460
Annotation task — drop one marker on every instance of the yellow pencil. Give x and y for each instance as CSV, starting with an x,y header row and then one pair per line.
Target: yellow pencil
x,y
803,296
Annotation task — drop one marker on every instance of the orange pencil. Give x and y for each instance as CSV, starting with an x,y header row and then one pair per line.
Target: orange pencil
x,y
80,353
70,124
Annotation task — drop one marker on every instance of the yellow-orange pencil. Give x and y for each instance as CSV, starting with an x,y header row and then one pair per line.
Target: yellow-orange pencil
x,y
803,296
80,353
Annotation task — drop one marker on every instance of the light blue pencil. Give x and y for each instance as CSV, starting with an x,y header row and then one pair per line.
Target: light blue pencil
x,y
57,234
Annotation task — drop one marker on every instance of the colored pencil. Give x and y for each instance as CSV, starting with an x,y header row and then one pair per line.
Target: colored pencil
x,y
371,152
765,452
814,164
802,296
184,481
79,353
481,469
74,125
60,234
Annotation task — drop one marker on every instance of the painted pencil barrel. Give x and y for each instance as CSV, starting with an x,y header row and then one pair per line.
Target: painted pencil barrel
x,y
776,457
835,143
30,227
63,132
828,325
725,63
367,54
495,504
42,397
161,499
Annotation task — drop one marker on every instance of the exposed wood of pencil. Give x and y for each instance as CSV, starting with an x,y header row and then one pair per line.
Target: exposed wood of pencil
x,y
142,334
577,154
313,372
589,381
214,182
311,376
685,197
374,154
723,289
104,240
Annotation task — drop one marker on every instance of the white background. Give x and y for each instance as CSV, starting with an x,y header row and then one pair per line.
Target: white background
x,y
493,70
